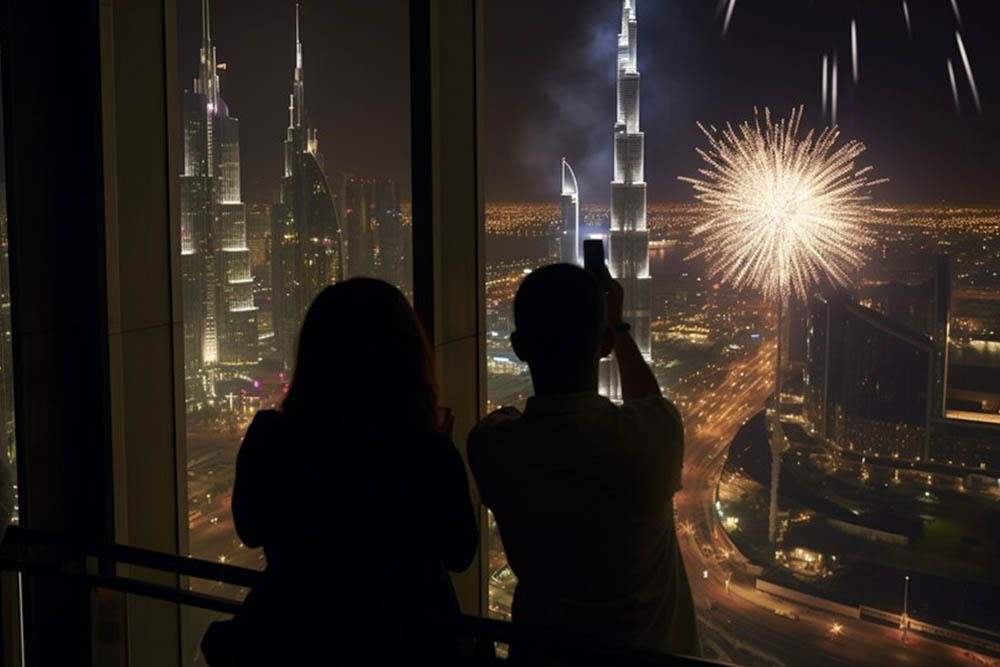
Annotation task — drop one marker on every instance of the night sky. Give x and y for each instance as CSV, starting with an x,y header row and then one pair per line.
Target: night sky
x,y
550,70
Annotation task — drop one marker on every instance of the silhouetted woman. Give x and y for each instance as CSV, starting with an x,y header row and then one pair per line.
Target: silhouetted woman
x,y
356,493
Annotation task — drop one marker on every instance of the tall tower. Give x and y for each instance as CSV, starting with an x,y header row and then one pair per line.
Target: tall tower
x,y
220,318
569,242
306,242
629,242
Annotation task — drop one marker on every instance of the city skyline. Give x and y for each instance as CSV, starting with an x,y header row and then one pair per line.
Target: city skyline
x,y
772,55
250,272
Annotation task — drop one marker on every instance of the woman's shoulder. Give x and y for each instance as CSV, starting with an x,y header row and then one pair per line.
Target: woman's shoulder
x,y
429,445
266,426
267,420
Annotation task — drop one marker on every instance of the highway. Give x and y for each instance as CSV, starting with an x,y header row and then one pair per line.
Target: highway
x,y
731,615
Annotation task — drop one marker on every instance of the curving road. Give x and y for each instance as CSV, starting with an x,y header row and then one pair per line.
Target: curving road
x,y
733,614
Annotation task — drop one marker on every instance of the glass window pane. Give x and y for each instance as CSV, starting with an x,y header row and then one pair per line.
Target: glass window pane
x,y
295,161
8,443
884,307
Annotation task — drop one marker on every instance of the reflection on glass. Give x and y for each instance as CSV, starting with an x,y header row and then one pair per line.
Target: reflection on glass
x,y
8,444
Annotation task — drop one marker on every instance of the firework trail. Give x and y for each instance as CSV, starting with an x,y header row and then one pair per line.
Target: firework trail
x,y
783,212
954,8
954,88
825,84
968,71
906,17
833,91
729,16
854,49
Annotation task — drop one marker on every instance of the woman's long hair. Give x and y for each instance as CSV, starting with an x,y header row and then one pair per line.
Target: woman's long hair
x,y
363,360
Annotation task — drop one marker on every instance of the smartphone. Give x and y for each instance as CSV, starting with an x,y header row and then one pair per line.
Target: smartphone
x,y
593,260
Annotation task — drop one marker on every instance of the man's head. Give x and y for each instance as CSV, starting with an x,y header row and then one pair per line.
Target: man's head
x,y
561,330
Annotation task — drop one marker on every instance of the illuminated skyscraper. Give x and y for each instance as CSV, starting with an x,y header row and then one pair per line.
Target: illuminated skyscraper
x,y
387,221
220,318
629,242
569,242
357,226
307,241
869,380
259,231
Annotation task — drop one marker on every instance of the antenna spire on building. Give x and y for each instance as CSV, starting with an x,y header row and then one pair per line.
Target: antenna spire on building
x,y
206,32
298,41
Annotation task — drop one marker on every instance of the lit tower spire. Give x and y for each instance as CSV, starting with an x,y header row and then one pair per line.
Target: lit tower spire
x,y
629,239
301,138
569,248
208,75
298,41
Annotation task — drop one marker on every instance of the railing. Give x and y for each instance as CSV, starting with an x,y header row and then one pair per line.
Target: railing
x,y
40,553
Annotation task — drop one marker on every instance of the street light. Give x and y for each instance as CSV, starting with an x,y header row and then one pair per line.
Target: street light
x,y
904,621
836,629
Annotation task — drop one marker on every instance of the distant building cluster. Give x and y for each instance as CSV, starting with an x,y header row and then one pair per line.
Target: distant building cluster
x,y
250,271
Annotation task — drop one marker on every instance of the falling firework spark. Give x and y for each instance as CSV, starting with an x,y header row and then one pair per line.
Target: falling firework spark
x,y
906,17
729,16
833,92
783,211
954,87
854,49
968,71
825,83
954,8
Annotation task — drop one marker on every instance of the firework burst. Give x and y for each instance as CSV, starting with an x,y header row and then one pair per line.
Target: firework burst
x,y
783,211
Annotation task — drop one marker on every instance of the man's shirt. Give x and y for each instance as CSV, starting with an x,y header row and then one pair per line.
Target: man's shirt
x,y
582,492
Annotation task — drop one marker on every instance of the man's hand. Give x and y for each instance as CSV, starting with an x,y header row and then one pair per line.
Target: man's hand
x,y
637,379
446,422
616,300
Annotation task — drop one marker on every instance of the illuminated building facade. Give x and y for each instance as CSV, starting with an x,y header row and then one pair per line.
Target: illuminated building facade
x,y
220,317
569,242
357,227
386,222
869,380
259,234
307,243
629,238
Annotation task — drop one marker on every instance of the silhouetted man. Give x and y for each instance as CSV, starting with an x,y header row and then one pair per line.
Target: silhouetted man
x,y
582,489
